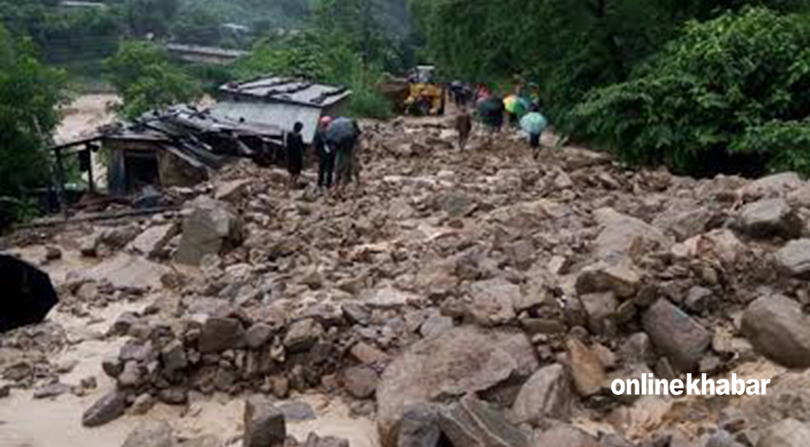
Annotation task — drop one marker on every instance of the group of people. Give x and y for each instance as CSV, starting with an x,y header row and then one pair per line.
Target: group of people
x,y
519,110
335,144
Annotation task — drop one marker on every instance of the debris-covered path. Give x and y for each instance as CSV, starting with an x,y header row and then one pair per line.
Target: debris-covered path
x,y
531,284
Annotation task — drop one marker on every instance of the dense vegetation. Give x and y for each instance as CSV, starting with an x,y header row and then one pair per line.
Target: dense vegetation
x,y
691,84
29,92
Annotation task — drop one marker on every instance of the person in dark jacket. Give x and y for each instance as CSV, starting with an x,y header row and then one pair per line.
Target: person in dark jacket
x,y
295,153
326,155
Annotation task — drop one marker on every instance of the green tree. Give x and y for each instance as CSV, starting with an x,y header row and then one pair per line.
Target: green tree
x,y
29,94
145,79
736,84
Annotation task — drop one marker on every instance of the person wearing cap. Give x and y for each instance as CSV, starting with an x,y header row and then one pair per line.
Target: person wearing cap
x,y
326,155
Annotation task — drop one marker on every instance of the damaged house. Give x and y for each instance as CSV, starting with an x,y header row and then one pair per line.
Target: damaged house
x,y
181,145
280,101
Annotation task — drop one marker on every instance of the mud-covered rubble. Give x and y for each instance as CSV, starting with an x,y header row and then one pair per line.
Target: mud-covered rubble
x,y
460,298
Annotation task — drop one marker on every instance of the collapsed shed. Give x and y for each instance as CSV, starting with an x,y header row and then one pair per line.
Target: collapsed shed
x,y
180,146
281,101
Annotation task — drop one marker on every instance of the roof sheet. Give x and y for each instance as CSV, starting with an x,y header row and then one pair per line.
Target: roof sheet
x,y
290,90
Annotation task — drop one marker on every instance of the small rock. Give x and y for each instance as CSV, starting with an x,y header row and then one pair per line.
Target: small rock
x,y
264,424
435,325
357,313
173,356
302,335
794,258
143,403
156,433
297,411
52,390
778,328
221,334
258,335
563,435
419,426
621,278
601,309
676,334
588,373
493,302
360,381
112,366
547,393
173,396
785,433
314,440
698,299
367,354
109,407
770,217
472,422
5,391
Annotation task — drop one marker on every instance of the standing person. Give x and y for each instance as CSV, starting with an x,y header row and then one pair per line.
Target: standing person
x,y
534,124
463,127
326,155
295,153
342,135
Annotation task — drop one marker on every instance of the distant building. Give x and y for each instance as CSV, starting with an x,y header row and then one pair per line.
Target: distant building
x,y
204,55
82,5
281,101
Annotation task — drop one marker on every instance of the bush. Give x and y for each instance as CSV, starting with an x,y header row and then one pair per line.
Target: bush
x,y
730,86
145,79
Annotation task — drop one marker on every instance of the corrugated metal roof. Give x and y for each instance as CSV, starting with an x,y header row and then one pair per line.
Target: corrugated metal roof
x,y
289,90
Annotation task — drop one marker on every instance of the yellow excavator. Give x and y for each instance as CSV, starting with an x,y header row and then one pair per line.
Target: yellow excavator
x,y
426,97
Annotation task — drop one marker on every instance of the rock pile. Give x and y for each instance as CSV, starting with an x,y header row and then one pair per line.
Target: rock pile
x,y
472,298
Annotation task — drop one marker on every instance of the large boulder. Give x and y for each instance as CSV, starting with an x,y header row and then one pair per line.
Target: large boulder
x,y
461,360
472,422
794,258
770,217
778,329
675,334
547,394
621,235
211,229
785,433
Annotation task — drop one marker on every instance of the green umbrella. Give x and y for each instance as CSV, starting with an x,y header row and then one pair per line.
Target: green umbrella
x,y
533,123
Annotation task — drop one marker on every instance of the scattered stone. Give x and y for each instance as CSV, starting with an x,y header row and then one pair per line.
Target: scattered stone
x,y
173,396
360,381
785,433
492,302
302,335
676,334
461,360
108,408
52,253
472,422
173,357
699,299
435,325
772,186
314,440
356,313
151,242
143,403
297,411
220,334
621,278
600,308
126,271
547,393
259,335
794,258
778,329
623,236
586,369
5,391
367,354
50,391
565,435
232,191
210,229
155,433
264,424
770,217
419,426
112,366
